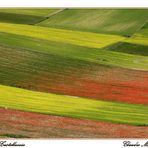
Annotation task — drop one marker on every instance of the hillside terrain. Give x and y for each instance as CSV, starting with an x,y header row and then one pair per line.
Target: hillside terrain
x,y
74,73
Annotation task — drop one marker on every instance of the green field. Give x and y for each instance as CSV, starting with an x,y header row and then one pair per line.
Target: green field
x,y
72,107
137,44
25,16
111,21
74,45
35,12
86,39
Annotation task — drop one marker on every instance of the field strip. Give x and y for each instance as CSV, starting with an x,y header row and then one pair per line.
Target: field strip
x,y
59,74
99,56
28,11
129,48
138,40
33,125
46,103
24,16
85,39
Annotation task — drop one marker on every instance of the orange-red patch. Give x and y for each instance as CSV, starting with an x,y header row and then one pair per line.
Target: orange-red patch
x,y
122,85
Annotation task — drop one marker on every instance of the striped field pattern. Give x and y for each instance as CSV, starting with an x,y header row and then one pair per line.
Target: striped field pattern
x,y
73,73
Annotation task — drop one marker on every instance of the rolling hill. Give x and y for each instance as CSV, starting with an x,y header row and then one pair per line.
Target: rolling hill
x,y
74,72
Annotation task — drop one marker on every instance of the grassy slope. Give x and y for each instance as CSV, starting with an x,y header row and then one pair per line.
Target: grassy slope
x,y
70,106
67,69
28,63
140,37
98,56
24,16
69,51
60,35
35,12
137,44
111,21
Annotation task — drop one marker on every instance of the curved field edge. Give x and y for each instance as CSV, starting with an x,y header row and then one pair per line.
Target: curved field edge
x,y
35,125
75,107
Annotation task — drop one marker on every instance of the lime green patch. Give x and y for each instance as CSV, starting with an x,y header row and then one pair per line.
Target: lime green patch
x,y
85,39
61,105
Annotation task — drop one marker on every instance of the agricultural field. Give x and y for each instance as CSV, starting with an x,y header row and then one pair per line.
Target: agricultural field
x,y
74,73
25,16
112,21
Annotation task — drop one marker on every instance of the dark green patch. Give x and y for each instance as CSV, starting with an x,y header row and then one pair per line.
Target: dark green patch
x,y
19,18
145,26
13,136
129,48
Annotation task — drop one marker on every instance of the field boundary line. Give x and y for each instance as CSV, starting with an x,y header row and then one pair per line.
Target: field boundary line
x,y
49,15
140,28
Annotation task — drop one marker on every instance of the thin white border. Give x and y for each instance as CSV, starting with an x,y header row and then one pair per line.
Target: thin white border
x,y
75,3
75,143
